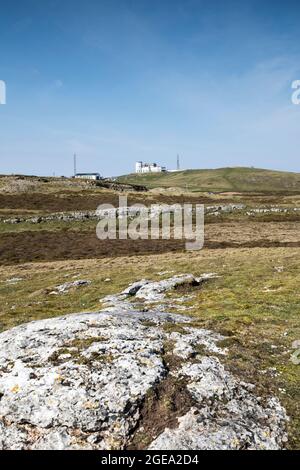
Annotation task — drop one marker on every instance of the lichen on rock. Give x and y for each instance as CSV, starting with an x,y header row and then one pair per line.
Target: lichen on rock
x,y
81,381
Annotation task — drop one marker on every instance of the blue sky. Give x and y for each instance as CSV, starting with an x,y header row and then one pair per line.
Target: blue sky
x,y
118,81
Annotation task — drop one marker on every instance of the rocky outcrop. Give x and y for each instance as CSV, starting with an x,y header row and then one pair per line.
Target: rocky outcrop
x,y
130,211
67,286
82,381
227,415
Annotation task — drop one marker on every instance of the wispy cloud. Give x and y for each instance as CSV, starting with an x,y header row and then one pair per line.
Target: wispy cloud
x,y
58,83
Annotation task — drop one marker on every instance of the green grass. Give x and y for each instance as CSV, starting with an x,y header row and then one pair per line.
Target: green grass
x,y
221,179
50,226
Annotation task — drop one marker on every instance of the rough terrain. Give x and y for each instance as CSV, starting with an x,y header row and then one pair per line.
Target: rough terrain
x,y
86,381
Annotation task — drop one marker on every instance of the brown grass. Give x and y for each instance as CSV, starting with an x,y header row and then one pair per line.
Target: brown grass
x,y
69,244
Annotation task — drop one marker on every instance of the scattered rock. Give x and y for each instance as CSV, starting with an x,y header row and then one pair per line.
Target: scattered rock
x,y
295,358
84,216
155,291
296,344
279,269
14,280
63,288
164,273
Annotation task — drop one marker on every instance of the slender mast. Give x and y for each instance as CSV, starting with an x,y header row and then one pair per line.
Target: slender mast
x,y
75,169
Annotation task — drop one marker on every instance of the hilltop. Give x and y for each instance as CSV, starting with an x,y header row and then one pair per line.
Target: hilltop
x,y
237,179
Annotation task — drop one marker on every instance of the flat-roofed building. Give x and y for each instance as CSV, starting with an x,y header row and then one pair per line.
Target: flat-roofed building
x,y
141,167
88,176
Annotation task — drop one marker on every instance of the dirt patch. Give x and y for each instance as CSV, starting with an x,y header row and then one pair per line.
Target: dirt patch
x,y
161,409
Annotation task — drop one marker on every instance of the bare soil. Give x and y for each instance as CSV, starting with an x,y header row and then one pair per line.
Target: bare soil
x,y
161,409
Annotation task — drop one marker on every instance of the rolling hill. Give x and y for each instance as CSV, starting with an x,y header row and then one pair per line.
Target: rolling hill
x,y
237,179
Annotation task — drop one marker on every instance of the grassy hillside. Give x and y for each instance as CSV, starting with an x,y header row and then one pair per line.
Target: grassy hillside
x,y
221,179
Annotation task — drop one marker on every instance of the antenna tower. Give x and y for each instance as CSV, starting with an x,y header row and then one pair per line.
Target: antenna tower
x,y
75,162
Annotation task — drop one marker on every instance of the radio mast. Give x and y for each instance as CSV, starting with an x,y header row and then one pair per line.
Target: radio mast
x,y
75,161
178,163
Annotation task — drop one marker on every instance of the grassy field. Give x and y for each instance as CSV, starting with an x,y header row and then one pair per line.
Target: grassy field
x,y
219,180
255,303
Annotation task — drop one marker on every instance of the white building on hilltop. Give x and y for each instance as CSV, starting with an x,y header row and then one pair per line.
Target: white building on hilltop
x,y
141,167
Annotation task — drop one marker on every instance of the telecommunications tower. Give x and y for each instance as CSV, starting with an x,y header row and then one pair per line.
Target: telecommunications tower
x,y
75,161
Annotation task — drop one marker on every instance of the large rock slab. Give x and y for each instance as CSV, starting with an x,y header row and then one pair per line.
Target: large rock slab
x,y
76,381
81,381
